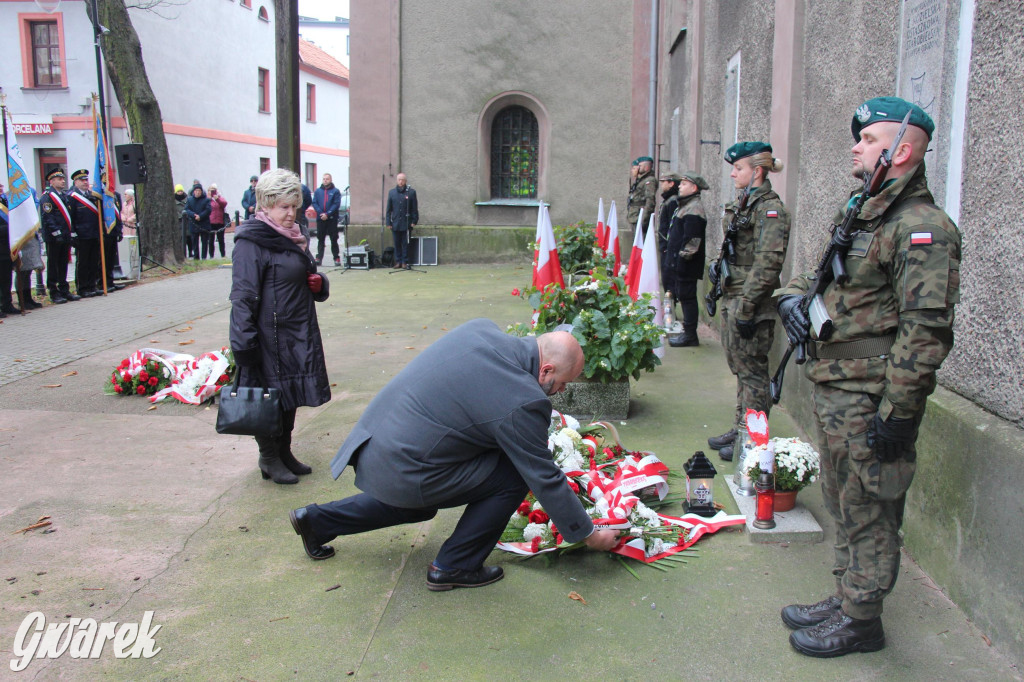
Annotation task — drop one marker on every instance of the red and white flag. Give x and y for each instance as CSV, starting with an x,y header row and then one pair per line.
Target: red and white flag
x,y
546,268
612,241
648,280
635,257
600,232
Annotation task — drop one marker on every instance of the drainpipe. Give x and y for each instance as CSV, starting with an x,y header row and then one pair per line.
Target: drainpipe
x,y
652,100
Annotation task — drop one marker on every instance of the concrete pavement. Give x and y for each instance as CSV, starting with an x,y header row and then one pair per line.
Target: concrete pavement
x,y
154,511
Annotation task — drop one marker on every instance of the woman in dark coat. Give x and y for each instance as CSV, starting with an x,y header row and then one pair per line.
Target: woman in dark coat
x,y
274,333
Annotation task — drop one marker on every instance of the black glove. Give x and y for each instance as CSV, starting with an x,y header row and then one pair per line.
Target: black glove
x,y
891,438
794,321
713,274
746,328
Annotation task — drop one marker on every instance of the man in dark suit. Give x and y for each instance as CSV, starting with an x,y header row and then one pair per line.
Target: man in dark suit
x,y
403,213
465,423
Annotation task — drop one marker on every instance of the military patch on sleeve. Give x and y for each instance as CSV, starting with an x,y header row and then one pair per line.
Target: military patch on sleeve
x,y
771,214
920,238
47,207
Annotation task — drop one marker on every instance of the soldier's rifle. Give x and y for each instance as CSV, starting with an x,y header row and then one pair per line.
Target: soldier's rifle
x,y
832,265
721,272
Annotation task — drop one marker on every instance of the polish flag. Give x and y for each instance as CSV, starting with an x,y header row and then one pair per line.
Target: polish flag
x,y
612,238
546,267
648,281
600,234
635,257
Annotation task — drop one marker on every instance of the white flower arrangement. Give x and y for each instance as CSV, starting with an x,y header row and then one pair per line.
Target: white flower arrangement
x,y
797,464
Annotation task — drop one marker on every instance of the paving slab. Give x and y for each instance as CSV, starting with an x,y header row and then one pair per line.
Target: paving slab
x,y
154,511
796,525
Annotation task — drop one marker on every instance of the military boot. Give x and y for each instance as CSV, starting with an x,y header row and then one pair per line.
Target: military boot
x,y
798,616
293,465
719,442
686,339
270,462
838,636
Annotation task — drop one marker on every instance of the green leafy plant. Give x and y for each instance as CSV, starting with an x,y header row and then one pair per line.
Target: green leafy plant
x,y
576,245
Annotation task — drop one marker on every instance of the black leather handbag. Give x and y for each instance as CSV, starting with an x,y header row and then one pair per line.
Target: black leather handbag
x,y
249,410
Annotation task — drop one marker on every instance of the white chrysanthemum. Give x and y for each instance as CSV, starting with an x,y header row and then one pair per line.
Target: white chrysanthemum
x,y
534,530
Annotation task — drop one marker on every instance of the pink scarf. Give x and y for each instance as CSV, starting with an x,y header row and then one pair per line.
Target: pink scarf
x,y
294,233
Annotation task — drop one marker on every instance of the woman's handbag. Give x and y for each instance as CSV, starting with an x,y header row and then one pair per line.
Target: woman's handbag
x,y
249,410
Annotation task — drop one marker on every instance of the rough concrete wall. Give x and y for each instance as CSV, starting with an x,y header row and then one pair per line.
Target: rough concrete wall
x,y
574,57
987,360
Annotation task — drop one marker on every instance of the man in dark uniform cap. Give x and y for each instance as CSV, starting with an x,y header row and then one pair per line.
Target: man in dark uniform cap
x,y
56,223
85,234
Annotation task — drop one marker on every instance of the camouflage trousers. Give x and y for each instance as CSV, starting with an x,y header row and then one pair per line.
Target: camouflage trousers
x,y
748,361
865,498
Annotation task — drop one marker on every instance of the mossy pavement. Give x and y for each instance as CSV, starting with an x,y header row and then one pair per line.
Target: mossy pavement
x,y
155,511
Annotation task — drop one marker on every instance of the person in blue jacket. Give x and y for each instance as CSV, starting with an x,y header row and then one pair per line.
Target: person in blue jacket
x,y
327,204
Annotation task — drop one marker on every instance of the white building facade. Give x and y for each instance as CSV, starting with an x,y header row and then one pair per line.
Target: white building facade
x,y
211,64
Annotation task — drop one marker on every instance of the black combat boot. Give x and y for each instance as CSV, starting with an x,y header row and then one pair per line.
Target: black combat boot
x,y
686,339
719,442
838,636
798,616
270,462
726,453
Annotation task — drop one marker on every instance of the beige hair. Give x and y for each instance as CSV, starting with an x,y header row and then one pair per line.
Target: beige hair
x,y
276,185
767,161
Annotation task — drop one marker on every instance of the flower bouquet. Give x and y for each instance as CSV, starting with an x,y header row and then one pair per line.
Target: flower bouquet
x,y
620,489
797,464
160,374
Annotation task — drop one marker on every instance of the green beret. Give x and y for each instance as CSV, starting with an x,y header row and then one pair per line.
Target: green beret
x,y
890,109
696,179
80,173
742,150
644,158
635,163
674,177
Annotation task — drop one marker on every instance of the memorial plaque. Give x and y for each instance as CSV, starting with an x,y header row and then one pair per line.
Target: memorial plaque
x,y
922,46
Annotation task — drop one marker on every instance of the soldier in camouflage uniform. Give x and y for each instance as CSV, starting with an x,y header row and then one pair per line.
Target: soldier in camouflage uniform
x,y
748,312
893,328
642,193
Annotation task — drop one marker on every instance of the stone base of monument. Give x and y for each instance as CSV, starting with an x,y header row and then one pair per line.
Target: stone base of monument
x,y
588,400
796,525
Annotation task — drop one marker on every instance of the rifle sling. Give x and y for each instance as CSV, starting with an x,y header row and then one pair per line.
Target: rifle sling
x,y
851,350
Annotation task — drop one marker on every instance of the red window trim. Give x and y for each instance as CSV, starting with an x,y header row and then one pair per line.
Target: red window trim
x,y
311,102
24,20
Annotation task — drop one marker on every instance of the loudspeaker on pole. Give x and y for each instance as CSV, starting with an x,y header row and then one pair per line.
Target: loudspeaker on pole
x,y
131,164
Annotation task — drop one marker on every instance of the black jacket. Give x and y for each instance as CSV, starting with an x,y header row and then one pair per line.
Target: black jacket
x,y
55,217
274,332
403,209
688,224
197,211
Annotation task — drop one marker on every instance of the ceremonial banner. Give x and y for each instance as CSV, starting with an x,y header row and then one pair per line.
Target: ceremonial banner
x,y
102,178
546,267
22,216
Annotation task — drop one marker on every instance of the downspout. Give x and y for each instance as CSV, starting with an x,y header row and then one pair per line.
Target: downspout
x,y
652,99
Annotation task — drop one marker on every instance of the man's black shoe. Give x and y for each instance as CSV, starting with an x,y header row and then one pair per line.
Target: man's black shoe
x,y
89,293
798,616
719,442
57,298
118,287
32,305
314,550
838,636
726,453
439,580
10,309
71,297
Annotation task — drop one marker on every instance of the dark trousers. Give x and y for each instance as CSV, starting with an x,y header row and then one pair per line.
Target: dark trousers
x,y
6,272
686,293
401,246
206,240
87,264
324,229
219,236
186,238
110,253
488,508
57,268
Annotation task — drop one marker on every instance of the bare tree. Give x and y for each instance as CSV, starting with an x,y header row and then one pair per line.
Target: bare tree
x,y
160,229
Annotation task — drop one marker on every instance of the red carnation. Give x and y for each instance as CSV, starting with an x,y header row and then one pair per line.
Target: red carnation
x,y
153,381
118,389
575,486
113,380
141,390
124,363
515,292
554,529
143,375
223,379
558,539
126,377
538,516
524,508
535,545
